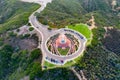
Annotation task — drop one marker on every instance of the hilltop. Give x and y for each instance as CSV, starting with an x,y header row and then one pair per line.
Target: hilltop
x,y
20,57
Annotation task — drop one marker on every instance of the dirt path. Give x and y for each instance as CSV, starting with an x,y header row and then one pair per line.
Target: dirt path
x,y
80,77
113,4
92,22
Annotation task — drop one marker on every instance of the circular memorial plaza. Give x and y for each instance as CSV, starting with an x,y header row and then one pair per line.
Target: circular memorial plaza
x,y
64,45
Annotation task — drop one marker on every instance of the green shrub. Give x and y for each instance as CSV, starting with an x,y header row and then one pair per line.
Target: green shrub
x,y
31,29
34,70
49,28
35,54
12,34
24,36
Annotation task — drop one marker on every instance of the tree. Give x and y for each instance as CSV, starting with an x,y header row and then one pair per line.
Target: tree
x,y
34,70
35,54
31,29
5,60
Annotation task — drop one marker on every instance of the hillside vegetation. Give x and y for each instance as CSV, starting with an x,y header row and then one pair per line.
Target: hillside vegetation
x,y
14,14
14,62
60,13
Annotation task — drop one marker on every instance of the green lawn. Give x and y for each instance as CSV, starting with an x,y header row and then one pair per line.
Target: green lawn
x,y
83,29
63,51
47,64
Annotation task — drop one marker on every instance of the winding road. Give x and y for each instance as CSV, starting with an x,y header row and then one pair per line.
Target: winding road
x,y
46,34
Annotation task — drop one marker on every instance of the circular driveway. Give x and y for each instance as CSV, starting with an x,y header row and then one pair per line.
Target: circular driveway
x,y
46,34
60,60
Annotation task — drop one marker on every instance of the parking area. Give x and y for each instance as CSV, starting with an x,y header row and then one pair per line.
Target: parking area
x,y
55,61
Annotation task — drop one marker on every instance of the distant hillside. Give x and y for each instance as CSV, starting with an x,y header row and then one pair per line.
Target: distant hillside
x,y
95,5
14,14
63,12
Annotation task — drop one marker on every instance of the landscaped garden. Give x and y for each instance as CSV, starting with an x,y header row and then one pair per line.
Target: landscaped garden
x,y
63,51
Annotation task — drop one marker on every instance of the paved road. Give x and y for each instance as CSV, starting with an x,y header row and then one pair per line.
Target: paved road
x,y
45,33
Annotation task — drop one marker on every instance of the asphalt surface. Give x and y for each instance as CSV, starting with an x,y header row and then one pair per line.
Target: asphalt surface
x,y
46,34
